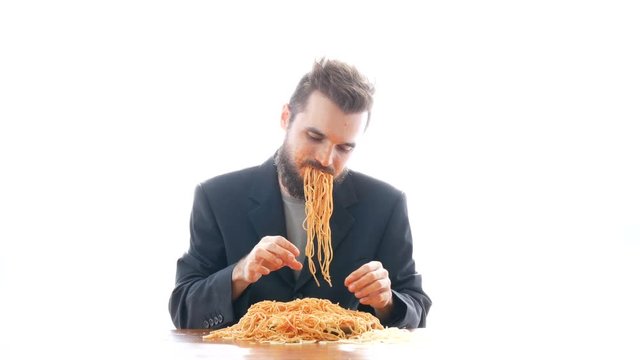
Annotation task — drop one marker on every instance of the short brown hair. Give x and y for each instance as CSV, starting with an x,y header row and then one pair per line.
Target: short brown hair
x,y
343,84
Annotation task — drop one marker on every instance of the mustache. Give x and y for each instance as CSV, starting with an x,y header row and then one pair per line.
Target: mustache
x,y
316,165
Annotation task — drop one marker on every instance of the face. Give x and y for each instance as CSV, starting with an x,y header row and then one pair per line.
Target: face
x,y
321,136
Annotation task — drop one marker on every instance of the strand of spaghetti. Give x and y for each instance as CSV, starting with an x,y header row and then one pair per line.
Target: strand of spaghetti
x,y
326,205
318,192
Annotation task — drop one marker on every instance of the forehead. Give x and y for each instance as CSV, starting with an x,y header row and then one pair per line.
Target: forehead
x,y
325,116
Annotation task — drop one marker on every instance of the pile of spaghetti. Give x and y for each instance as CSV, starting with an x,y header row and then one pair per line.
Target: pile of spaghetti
x,y
301,320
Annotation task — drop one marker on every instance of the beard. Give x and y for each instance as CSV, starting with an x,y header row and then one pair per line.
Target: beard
x,y
289,174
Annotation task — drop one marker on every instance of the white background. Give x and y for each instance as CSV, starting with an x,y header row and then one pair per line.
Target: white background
x,y
513,129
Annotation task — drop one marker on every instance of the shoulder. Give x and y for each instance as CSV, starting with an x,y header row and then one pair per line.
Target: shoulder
x,y
239,185
226,191
371,198
369,188
239,179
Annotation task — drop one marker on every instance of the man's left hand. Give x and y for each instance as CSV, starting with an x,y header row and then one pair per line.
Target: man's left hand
x,y
370,283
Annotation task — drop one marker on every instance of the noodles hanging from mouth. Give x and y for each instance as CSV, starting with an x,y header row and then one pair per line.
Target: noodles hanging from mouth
x,y
301,320
318,196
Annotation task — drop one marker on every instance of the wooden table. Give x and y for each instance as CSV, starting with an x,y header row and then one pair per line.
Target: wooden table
x,y
188,344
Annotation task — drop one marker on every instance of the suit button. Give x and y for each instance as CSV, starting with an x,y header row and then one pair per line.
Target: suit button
x,y
220,318
205,324
212,322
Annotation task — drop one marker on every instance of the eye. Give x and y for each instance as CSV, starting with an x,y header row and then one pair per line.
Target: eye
x,y
314,136
345,148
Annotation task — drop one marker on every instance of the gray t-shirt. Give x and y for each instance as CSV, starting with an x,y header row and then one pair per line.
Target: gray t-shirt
x,y
294,217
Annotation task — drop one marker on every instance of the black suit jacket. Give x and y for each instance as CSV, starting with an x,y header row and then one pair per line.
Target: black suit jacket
x,y
232,212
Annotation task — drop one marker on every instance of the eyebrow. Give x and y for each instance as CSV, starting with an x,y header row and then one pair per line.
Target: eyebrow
x,y
318,132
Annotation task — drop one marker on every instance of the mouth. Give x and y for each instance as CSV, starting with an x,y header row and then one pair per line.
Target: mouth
x,y
315,165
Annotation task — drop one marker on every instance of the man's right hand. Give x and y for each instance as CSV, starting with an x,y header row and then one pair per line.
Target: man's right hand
x,y
270,254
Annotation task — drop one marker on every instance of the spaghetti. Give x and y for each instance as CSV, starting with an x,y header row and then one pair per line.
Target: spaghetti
x,y
318,196
301,320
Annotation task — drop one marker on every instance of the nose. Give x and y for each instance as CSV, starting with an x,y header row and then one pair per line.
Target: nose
x,y
325,156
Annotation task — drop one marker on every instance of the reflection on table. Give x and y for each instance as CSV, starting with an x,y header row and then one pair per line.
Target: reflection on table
x,y
188,344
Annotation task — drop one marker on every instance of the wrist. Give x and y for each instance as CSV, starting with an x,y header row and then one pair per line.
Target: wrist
x,y
238,282
385,311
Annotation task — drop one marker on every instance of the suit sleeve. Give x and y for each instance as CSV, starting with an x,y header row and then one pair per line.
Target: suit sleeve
x,y
202,294
395,252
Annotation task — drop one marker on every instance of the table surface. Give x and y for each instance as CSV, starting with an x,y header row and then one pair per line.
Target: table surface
x,y
188,344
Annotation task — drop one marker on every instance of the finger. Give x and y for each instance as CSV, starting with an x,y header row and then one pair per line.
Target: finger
x,y
281,248
373,288
273,266
365,280
276,256
295,264
355,275
278,263
256,271
361,271
259,267
265,256
287,245
378,299
371,283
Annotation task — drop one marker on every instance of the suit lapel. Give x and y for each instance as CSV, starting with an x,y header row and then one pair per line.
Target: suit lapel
x,y
267,216
341,222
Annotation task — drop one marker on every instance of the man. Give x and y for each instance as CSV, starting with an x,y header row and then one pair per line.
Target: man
x,y
247,235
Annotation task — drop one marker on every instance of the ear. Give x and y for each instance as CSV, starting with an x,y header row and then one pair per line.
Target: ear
x,y
285,117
